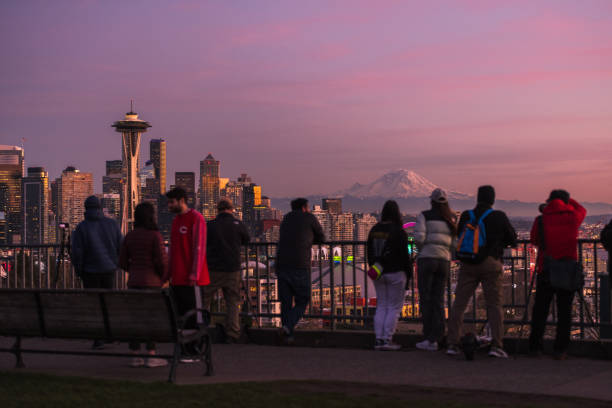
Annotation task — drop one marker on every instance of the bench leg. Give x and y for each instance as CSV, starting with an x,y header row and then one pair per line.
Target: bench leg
x,y
174,363
17,351
208,356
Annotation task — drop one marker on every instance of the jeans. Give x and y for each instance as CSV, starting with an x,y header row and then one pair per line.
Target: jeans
x,y
432,276
489,272
293,285
543,298
229,283
390,291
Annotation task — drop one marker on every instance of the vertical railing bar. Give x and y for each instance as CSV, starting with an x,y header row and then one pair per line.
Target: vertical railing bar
x,y
342,257
353,321
332,289
580,260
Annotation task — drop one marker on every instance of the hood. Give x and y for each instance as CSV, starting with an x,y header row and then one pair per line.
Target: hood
x,y
93,214
557,206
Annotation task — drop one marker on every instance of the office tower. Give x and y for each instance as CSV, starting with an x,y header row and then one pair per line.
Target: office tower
x,y
209,187
35,204
113,185
164,217
131,128
186,181
332,205
233,192
157,154
324,219
73,188
11,173
251,198
363,225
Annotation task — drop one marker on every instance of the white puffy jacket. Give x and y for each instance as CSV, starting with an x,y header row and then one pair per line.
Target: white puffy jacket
x,y
433,236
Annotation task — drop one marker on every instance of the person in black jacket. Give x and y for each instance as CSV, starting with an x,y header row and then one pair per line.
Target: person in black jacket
x,y
487,268
224,238
299,230
388,249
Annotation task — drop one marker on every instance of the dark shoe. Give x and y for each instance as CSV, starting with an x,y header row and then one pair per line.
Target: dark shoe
x,y
98,345
560,355
283,335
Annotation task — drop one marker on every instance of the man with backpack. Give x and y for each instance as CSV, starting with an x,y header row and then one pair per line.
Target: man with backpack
x,y
483,235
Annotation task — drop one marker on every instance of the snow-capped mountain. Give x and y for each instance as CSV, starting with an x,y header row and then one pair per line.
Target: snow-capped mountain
x,y
399,183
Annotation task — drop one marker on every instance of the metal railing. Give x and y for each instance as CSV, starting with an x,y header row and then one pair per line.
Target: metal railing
x,y
342,296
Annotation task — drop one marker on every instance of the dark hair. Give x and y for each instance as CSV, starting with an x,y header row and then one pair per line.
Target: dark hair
x,y
224,205
391,213
144,216
177,193
559,195
298,204
445,211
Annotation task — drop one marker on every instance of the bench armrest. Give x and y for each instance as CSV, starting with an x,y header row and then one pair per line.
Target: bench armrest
x,y
192,313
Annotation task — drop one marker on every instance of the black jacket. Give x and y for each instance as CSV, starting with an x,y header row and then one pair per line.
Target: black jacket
x,y
224,237
95,244
394,240
298,232
500,233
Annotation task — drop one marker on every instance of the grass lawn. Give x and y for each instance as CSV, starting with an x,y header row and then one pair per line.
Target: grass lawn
x,y
39,390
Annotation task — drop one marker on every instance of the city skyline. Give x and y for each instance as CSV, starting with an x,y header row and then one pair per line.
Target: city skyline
x,y
311,98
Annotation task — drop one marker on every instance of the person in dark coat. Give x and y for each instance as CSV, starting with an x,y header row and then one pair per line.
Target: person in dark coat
x,y
225,237
95,246
299,230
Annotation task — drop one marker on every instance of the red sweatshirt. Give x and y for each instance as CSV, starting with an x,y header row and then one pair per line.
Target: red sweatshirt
x,y
561,222
188,250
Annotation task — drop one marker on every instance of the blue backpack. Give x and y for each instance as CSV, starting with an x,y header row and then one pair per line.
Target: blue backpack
x,y
473,238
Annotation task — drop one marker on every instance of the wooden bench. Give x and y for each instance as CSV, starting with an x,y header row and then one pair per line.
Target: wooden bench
x,y
91,314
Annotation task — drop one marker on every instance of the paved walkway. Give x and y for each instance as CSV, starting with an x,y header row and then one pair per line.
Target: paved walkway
x,y
234,363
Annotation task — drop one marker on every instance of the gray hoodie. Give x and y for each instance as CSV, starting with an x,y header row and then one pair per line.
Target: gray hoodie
x,y
96,241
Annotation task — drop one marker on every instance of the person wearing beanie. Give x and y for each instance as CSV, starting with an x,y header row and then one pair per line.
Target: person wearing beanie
x,y
486,268
95,247
434,234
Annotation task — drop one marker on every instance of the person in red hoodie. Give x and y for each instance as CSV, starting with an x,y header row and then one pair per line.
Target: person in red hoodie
x,y
188,266
561,219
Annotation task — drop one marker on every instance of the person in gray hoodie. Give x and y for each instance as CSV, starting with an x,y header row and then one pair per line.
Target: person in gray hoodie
x,y
434,234
95,247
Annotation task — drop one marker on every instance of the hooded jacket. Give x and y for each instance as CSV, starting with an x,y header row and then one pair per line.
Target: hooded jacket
x,y
298,232
225,237
95,242
561,222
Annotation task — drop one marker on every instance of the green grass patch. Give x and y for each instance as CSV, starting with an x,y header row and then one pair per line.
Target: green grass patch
x,y
40,390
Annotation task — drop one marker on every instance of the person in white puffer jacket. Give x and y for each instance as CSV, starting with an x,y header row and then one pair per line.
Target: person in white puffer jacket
x,y
434,234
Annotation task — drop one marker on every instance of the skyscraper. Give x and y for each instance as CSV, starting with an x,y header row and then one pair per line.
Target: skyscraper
x,y
11,173
233,191
251,198
131,129
35,204
332,205
113,184
186,181
73,188
209,186
157,154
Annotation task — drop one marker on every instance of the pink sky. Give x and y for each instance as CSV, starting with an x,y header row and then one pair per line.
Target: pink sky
x,y
310,97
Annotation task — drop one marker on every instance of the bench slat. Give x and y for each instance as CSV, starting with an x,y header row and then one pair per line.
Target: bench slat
x,y
19,314
73,315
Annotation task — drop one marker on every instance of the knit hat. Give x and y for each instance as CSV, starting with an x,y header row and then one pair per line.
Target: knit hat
x,y
486,195
439,196
92,202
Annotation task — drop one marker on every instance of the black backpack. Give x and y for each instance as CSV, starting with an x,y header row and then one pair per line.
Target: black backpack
x,y
606,236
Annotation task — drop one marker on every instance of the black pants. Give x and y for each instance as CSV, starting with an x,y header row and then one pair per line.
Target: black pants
x,y
432,275
98,280
293,284
185,300
135,345
543,298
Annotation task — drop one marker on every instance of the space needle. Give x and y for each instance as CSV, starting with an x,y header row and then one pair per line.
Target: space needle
x,y
131,129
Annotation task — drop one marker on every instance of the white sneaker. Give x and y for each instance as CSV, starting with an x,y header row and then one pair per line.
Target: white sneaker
x,y
452,350
137,362
156,362
390,346
497,352
427,345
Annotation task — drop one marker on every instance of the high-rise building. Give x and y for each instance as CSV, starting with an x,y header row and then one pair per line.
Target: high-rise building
x,y
35,204
324,219
113,184
164,217
114,167
251,198
131,128
157,154
363,225
186,181
73,188
233,192
209,187
11,173
332,205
